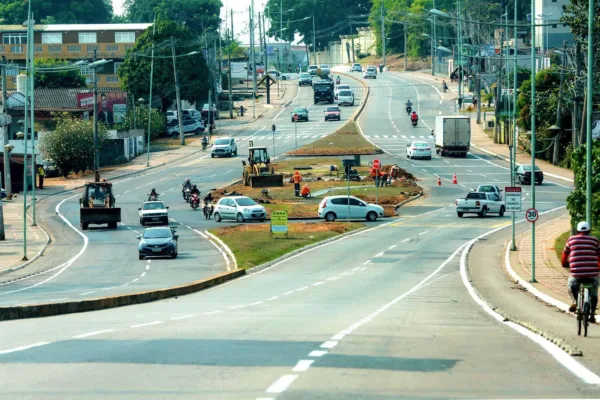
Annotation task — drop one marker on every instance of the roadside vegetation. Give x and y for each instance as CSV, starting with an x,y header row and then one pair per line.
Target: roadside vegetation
x,y
253,245
345,141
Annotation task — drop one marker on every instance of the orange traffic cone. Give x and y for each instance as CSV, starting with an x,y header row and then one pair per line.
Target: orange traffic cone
x,y
454,181
439,181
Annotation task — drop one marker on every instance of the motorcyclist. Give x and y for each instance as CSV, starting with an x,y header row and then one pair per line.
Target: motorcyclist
x,y
187,184
153,195
204,142
208,198
444,86
408,105
195,190
414,117
337,80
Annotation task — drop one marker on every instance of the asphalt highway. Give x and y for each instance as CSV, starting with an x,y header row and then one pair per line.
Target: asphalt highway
x,y
382,314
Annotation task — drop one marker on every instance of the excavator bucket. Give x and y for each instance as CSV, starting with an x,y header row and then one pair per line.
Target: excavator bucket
x,y
262,181
100,215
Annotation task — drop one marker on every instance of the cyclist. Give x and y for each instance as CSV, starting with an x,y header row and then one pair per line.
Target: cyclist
x,y
582,256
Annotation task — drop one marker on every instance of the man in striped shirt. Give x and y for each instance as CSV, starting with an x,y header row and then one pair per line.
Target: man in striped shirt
x,y
582,256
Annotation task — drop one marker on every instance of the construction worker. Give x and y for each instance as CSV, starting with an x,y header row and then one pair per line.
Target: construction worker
x,y
41,174
305,191
296,179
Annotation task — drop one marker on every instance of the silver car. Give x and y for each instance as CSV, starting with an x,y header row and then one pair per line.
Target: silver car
x,y
371,72
239,208
224,147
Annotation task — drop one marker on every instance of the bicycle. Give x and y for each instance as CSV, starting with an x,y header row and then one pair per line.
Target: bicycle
x,y
584,308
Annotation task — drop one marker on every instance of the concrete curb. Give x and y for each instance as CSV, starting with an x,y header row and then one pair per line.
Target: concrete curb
x,y
38,255
46,310
410,199
225,247
284,257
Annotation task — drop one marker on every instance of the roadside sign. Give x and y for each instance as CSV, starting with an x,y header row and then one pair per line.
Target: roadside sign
x,y
531,215
376,164
512,199
295,117
273,128
279,222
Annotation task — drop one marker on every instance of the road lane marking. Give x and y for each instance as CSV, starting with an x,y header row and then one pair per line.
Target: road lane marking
x,y
272,298
318,283
303,365
147,324
405,240
183,317
302,288
367,262
135,280
422,233
339,336
330,344
142,275
147,266
379,254
282,384
317,353
21,348
86,293
84,335
256,303
286,293
214,312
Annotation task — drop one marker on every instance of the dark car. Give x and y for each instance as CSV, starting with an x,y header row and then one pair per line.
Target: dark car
x,y
523,174
305,79
301,112
333,114
158,242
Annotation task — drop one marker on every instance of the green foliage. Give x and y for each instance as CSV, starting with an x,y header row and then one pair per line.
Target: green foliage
x,y
63,79
192,70
71,144
236,50
157,125
197,15
576,202
57,11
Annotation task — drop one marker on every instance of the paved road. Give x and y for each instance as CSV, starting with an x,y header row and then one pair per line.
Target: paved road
x,y
380,314
108,263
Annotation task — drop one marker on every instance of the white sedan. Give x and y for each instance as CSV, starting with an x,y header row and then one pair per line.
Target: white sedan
x,y
240,209
333,207
418,150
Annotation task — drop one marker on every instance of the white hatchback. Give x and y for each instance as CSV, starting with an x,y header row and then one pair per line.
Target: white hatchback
x,y
345,97
334,207
239,208
339,88
418,150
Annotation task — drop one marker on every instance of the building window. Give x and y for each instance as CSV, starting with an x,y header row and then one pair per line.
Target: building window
x,y
91,48
53,48
112,79
16,49
124,37
87,37
74,49
52,38
12,71
112,48
117,66
554,26
1,49
128,47
38,49
86,71
14,38
13,80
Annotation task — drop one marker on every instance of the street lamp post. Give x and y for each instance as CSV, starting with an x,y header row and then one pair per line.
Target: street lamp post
x,y
589,109
533,127
150,96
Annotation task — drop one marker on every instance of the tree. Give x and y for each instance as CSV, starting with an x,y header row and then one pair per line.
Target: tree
x,y
71,144
576,202
57,11
196,15
157,126
193,73
62,79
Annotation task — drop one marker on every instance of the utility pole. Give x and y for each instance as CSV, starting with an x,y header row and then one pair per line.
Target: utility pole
x,y
513,244
315,42
434,55
178,96
459,58
533,126
405,46
382,34
26,134
30,48
150,95
351,38
558,123
253,53
260,42
5,130
266,42
590,104
230,41
95,90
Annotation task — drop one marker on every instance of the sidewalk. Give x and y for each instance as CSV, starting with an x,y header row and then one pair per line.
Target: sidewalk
x,y
12,248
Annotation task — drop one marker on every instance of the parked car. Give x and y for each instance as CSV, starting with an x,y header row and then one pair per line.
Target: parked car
x,y
224,147
239,208
50,169
370,72
214,112
523,174
418,150
356,68
325,69
153,212
157,242
301,112
190,113
340,87
312,69
190,126
171,115
333,207
305,79
480,204
333,114
273,72
345,97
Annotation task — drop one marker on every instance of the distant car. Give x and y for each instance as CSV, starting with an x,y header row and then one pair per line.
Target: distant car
x,y
489,189
305,79
333,114
418,150
153,212
340,87
190,126
157,242
50,169
171,115
224,147
333,207
239,208
312,69
274,73
325,69
356,68
190,113
301,112
345,97
523,174
370,72
214,111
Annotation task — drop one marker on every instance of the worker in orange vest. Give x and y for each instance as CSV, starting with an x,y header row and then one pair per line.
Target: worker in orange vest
x,y
305,191
296,179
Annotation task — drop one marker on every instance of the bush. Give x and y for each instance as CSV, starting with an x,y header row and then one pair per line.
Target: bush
x,y
157,127
576,202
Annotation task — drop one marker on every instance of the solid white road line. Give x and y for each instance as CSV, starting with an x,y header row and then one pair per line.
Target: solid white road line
x,y
84,335
330,344
146,324
282,384
183,317
21,348
86,293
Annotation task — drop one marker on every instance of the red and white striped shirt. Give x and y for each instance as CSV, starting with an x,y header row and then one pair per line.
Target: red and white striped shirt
x,y
583,252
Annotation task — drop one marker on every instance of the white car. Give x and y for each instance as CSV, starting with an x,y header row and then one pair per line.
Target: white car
x,y
418,150
340,87
239,208
370,72
325,69
171,115
312,69
333,207
345,97
224,147
190,127
153,212
356,68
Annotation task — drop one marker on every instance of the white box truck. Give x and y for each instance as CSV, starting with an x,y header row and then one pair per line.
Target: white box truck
x,y
452,135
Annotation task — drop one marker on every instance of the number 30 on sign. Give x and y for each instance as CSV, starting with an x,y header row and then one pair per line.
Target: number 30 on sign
x,y
531,215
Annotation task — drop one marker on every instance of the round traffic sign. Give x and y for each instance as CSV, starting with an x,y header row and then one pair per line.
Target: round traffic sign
x,y
531,215
273,128
376,164
295,117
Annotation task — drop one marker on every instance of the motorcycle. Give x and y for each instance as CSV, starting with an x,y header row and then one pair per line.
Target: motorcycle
x,y
152,197
186,194
445,87
194,201
204,146
408,109
338,81
414,122
208,210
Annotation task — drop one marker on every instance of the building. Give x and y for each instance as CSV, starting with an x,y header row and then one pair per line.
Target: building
x,y
72,42
552,36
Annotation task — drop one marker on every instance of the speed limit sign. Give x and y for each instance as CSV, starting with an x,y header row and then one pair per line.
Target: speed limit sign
x,y
531,215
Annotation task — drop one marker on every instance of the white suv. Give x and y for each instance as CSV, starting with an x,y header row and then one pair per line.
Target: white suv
x,y
239,208
153,212
224,147
333,207
190,126
345,97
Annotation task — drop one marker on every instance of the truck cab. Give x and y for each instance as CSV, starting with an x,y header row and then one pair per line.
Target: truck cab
x,y
481,204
